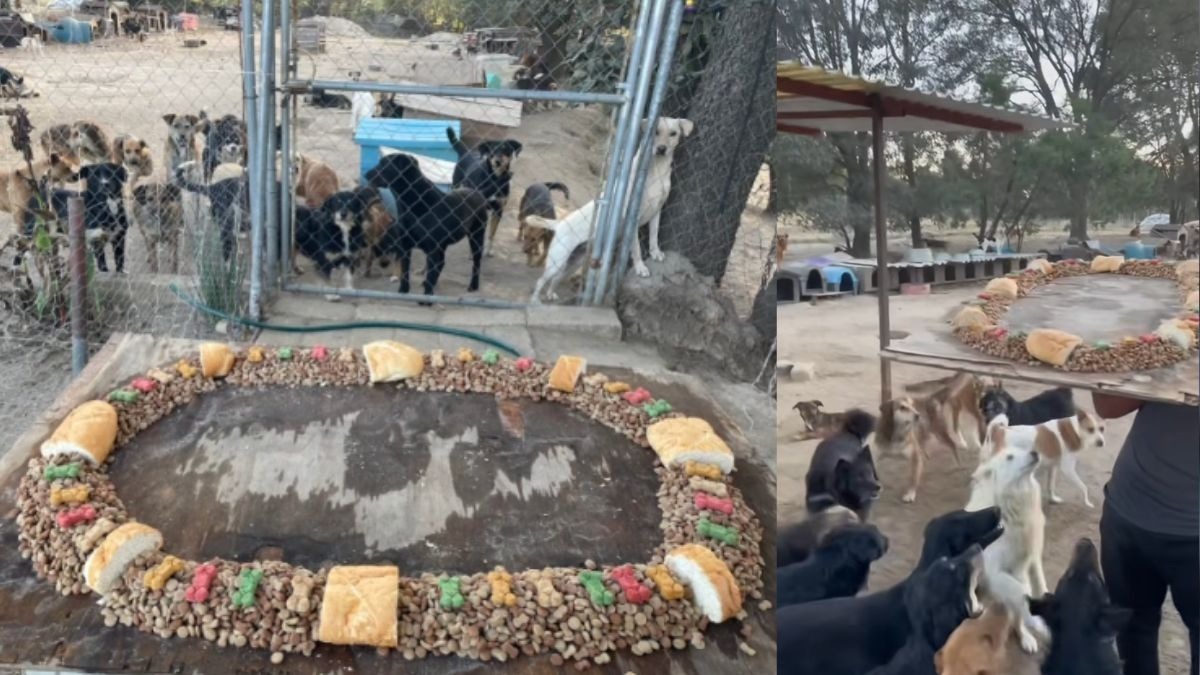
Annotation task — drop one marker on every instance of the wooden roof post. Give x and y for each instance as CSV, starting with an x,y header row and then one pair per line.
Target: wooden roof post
x,y
883,275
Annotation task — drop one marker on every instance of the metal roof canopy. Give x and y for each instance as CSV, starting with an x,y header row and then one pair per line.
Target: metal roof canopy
x,y
812,100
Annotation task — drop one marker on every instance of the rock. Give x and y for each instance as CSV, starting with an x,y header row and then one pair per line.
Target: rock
x,y
685,315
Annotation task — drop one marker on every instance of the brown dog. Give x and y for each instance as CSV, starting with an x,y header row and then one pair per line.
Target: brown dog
x,y
985,645
132,153
820,424
56,140
949,414
17,185
316,181
90,143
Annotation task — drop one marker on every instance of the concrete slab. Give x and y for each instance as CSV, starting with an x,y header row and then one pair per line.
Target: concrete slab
x,y
597,321
550,344
516,336
394,311
476,317
288,306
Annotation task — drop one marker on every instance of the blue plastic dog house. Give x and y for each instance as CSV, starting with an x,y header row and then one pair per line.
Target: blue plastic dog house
x,y
812,278
418,137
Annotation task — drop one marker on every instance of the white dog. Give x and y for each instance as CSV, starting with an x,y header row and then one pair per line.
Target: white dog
x,y
32,43
572,233
1013,563
1057,442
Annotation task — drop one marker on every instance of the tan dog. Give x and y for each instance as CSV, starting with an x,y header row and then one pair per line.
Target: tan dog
x,y
316,181
535,241
157,210
379,221
17,185
984,645
909,424
132,153
90,143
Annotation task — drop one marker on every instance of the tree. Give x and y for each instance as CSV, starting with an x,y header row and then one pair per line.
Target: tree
x,y
1077,58
734,115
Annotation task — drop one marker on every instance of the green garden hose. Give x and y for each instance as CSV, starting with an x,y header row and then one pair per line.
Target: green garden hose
x,y
327,327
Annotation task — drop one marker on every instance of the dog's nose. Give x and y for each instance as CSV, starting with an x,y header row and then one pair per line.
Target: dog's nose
x,y
662,149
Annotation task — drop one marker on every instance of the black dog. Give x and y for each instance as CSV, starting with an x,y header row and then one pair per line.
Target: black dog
x,y
850,636
1082,620
488,170
322,99
228,204
104,217
1052,404
428,219
796,542
842,470
11,84
837,569
938,600
389,109
224,142
333,235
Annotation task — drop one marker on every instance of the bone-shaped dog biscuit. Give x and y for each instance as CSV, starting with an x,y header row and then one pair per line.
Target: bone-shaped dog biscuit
x,y
72,495
593,582
299,599
95,533
667,585
80,514
501,582
710,503
202,580
722,533
548,597
702,470
635,591
156,577
712,487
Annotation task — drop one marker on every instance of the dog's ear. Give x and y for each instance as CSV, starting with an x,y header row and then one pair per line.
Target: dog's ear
x,y
938,661
687,127
169,118
516,147
1112,619
817,403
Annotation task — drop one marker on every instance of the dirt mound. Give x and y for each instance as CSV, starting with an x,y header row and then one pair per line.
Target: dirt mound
x,y
339,27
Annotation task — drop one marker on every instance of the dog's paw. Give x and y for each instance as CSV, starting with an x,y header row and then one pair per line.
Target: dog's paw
x,y
394,279
1029,643
1088,503
1055,499
909,497
641,270
657,255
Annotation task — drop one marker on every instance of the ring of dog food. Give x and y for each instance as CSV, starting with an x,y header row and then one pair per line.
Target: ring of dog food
x,y
980,324
77,533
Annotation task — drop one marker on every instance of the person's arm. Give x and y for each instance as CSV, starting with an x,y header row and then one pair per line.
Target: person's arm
x,y
1111,407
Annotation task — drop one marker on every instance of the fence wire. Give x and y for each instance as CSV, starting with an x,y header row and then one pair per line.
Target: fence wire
x,y
140,112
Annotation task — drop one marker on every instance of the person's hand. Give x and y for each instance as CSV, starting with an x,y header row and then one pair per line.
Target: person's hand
x,y
1111,407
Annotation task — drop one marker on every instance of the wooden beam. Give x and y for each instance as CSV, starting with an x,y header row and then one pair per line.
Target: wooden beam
x,y
824,115
929,112
799,88
793,129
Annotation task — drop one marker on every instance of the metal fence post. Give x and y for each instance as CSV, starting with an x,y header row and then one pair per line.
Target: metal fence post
x,y
627,225
639,103
285,144
610,195
78,255
266,126
256,202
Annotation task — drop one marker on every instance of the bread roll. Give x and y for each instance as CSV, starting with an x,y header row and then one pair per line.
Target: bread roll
x,y
1177,332
216,359
567,372
359,606
1193,302
391,361
1040,265
714,590
1107,263
1051,346
679,440
88,432
109,560
973,318
1002,288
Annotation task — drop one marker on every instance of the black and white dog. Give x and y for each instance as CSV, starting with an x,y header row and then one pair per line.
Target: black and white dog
x,y
334,235
487,170
224,142
228,199
104,217
12,85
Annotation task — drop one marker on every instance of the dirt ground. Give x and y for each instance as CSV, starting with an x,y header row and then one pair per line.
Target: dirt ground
x,y
127,86
840,337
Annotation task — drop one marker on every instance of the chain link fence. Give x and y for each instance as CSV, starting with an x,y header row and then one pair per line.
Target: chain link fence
x,y
160,119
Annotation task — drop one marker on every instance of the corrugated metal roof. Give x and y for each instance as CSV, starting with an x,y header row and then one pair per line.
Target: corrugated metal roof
x,y
805,92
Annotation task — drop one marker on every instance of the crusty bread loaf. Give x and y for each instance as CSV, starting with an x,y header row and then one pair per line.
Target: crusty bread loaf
x,y
971,317
391,361
714,590
1192,304
678,440
1051,346
108,561
88,432
216,359
1177,332
359,606
1107,263
1002,287
1040,265
566,373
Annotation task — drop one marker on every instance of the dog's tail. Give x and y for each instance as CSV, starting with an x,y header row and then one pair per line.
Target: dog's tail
x,y
460,148
859,423
544,223
560,187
